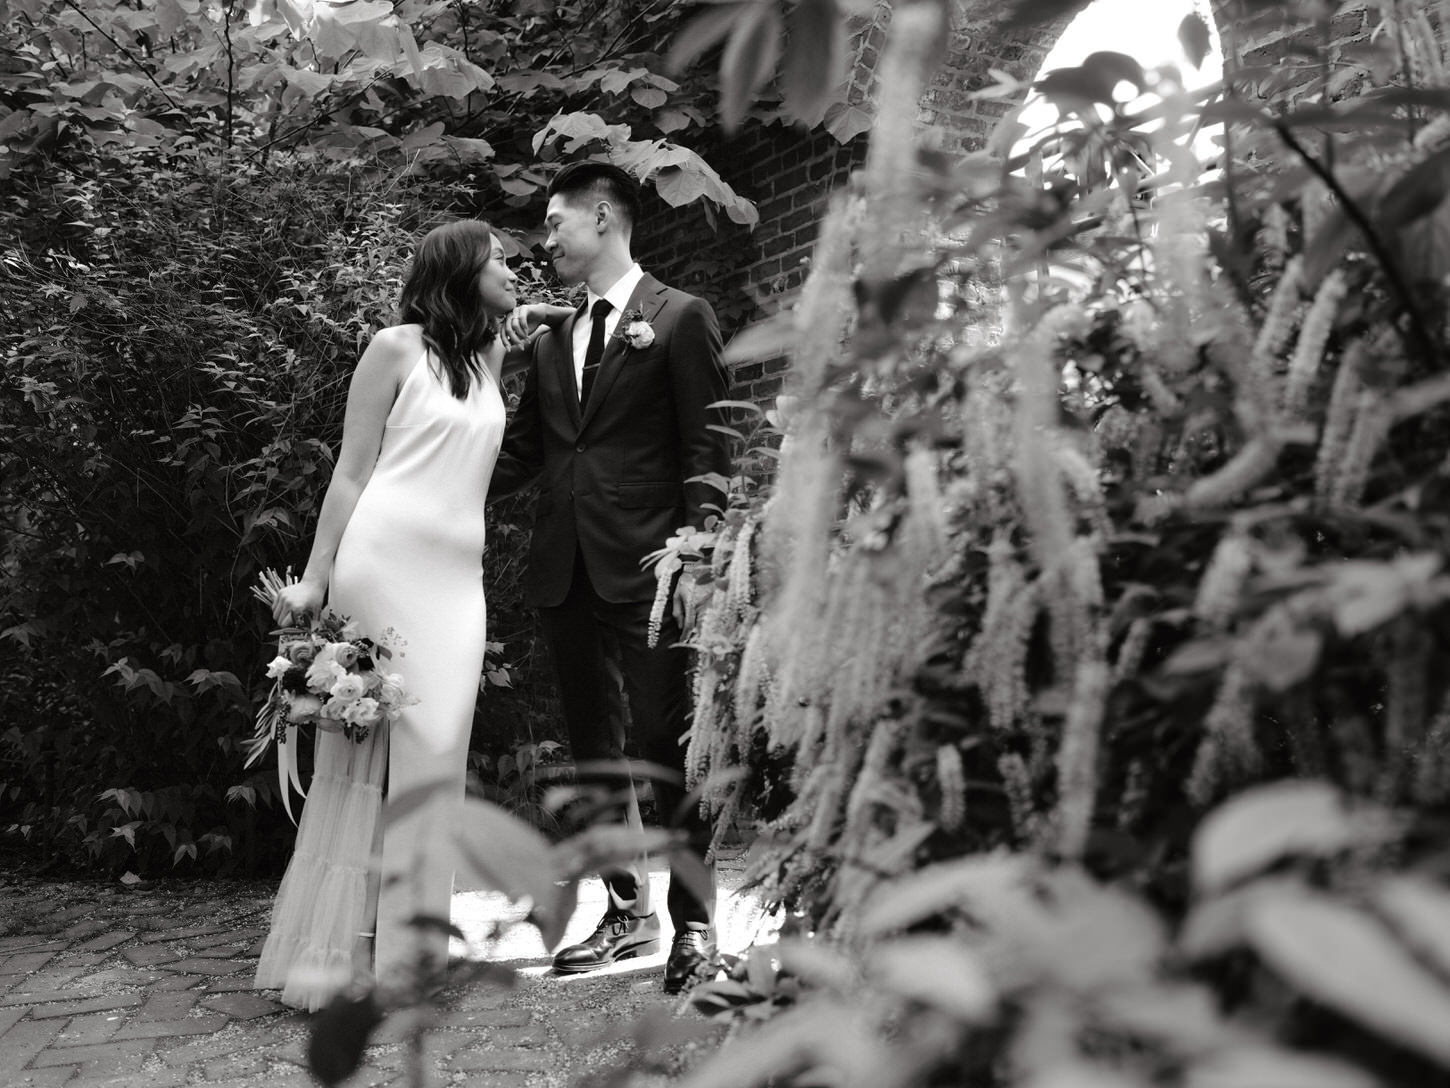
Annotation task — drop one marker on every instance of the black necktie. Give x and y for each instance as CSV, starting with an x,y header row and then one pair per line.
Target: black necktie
x,y
595,352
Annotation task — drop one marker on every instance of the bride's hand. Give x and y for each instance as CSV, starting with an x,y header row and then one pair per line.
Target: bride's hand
x,y
521,323
296,601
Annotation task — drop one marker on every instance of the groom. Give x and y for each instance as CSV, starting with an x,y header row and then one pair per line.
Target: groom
x,y
614,422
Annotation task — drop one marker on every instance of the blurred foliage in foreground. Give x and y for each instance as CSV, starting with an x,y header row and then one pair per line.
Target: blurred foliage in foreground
x,y
1083,658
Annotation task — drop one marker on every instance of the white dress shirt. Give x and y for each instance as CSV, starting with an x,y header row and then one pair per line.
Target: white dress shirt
x,y
618,297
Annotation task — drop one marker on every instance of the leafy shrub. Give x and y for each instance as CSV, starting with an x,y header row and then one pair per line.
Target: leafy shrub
x,y
182,334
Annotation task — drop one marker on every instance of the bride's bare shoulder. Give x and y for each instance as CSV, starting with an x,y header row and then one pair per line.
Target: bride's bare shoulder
x,y
400,338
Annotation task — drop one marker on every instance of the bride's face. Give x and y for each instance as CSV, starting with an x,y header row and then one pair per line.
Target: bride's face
x,y
496,283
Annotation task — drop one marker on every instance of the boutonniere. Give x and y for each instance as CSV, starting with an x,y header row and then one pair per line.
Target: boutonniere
x,y
638,333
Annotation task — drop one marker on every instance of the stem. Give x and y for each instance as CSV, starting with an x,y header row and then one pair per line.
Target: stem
x,y
1417,340
231,69
125,53
1231,94
1406,71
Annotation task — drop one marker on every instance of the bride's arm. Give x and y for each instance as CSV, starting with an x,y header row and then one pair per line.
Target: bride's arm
x,y
369,400
525,320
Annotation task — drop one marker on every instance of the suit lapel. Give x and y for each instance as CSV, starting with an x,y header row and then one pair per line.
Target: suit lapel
x,y
648,297
564,364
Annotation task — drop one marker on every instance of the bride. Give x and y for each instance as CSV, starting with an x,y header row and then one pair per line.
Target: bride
x,y
398,550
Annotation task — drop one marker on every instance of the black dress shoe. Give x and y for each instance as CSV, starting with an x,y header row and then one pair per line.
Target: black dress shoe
x,y
619,936
690,953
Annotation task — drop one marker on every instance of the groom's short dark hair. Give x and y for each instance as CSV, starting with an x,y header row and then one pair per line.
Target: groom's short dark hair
x,y
603,181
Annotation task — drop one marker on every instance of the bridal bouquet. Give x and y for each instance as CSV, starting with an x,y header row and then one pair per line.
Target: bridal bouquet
x,y
326,674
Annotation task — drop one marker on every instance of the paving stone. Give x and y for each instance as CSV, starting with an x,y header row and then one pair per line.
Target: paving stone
x,y
19,943
396,1028
54,978
23,1041
115,978
113,1060
498,1078
122,1054
160,1029
525,1061
175,982
485,1018
107,941
11,1016
440,1044
243,1006
165,1006
81,959
85,1005
66,914
300,1079
479,997
240,937
23,963
148,1078
81,930
95,1027
179,933
532,1035
148,955
198,965
200,1050
578,1036
30,997
237,1065
292,1050
230,985
41,1078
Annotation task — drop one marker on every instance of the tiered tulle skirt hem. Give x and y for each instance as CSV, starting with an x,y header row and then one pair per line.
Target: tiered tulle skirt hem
x,y
319,914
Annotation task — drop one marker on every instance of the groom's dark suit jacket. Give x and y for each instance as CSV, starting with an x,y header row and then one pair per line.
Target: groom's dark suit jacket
x,y
615,480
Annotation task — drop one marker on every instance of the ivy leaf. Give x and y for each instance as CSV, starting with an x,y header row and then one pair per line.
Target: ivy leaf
x,y
748,61
1343,959
846,122
705,30
1022,14
813,60
1265,824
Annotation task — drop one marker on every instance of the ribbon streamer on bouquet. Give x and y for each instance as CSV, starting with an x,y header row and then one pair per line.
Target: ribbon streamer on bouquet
x,y
272,726
287,769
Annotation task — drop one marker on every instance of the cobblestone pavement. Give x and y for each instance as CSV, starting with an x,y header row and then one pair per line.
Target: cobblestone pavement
x,y
103,986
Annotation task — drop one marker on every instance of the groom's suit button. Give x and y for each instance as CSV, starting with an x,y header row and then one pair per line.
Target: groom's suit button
x,y
580,448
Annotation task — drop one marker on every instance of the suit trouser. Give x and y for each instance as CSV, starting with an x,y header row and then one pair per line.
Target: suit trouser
x,y
582,632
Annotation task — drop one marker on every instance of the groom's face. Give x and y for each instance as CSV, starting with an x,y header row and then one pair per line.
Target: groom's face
x,y
575,237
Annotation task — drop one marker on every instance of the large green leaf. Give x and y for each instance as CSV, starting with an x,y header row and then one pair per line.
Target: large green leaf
x,y
1419,911
998,880
942,972
1346,960
1261,826
505,854
1255,1065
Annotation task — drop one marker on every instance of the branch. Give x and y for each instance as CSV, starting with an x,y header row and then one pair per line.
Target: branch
x,y
1419,333
125,53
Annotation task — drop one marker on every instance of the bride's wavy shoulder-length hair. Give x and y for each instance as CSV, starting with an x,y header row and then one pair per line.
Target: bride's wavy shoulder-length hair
x,y
441,294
